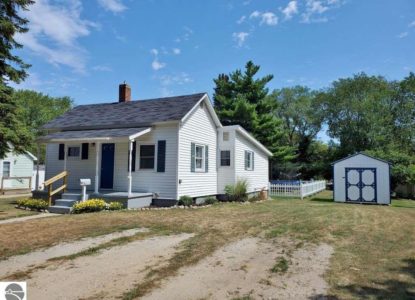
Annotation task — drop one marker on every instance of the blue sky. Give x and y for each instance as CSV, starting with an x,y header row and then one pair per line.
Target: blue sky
x,y
84,49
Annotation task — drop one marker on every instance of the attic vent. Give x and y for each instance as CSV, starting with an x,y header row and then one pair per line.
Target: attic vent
x,y
226,136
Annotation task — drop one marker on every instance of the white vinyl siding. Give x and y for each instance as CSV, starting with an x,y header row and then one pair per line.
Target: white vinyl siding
x,y
146,180
21,165
258,176
199,129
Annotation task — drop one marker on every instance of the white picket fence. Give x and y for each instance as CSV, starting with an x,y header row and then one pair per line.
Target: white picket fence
x,y
301,190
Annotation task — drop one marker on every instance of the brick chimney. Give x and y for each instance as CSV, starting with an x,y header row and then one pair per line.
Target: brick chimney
x,y
124,93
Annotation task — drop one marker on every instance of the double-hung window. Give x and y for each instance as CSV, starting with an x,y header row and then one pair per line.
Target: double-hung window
x,y
225,158
6,169
249,160
74,151
147,156
199,158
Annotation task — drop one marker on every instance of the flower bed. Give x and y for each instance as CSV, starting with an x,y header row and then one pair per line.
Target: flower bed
x,y
32,204
95,205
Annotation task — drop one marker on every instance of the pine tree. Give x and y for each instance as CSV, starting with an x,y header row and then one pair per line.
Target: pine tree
x,y
12,69
241,99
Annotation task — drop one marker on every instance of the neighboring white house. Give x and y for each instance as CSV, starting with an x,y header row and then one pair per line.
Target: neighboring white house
x,y
169,147
16,171
361,178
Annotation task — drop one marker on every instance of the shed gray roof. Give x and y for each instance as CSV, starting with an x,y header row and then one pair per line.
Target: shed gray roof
x,y
93,134
126,114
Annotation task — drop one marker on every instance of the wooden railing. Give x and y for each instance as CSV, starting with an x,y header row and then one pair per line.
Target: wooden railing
x,y
49,185
4,189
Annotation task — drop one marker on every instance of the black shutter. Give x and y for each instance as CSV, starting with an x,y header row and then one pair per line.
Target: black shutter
x,y
192,157
133,158
61,151
85,147
206,158
161,156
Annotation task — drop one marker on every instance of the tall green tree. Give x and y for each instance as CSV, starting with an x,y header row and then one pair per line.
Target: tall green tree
x,y
35,110
299,111
242,99
374,115
12,69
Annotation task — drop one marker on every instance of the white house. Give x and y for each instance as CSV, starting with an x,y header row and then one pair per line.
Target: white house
x,y
16,171
159,148
361,178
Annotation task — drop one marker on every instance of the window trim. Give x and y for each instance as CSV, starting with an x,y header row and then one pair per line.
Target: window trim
x,y
138,153
251,160
73,157
230,158
203,169
10,168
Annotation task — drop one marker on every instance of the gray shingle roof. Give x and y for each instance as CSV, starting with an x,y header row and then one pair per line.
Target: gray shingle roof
x,y
91,134
127,114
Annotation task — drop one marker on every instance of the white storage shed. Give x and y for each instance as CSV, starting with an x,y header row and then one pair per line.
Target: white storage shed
x,y
361,178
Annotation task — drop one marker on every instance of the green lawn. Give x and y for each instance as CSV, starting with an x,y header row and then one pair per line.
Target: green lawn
x,y
8,210
374,245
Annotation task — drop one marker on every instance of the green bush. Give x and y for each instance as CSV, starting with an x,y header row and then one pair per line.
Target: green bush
x,y
115,206
237,192
211,200
37,204
186,200
91,205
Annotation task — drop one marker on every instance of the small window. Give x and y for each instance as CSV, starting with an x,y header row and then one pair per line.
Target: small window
x,y
200,158
147,154
74,151
225,158
6,169
249,160
226,136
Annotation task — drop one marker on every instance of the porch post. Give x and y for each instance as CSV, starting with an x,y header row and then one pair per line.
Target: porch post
x,y
130,156
97,146
64,156
37,168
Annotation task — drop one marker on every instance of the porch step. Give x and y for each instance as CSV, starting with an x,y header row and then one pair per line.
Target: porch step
x,y
56,209
65,202
73,196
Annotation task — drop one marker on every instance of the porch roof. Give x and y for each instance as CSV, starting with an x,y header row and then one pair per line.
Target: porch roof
x,y
95,135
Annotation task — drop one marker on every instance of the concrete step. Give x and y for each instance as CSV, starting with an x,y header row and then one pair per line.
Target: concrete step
x,y
56,209
65,202
72,196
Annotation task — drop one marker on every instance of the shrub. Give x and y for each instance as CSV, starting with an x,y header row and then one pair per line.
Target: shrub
x,y
186,200
87,206
37,204
211,200
115,206
238,191
281,266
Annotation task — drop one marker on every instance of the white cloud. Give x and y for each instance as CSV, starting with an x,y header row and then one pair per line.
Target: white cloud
x,y
290,10
101,68
403,35
157,65
185,36
115,6
268,18
54,30
241,20
240,37
179,79
316,8
154,52
176,51
412,24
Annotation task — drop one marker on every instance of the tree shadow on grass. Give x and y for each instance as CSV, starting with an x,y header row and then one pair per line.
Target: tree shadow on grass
x,y
390,289
325,200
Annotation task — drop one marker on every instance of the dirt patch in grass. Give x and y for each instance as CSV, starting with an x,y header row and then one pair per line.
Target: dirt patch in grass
x,y
244,271
105,275
21,263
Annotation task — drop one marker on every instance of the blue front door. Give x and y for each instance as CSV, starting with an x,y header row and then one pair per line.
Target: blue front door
x,y
107,166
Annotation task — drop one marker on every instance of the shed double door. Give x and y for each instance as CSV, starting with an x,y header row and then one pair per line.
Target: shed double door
x,y
361,185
